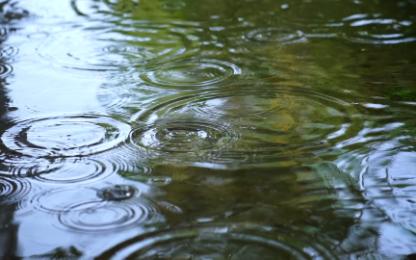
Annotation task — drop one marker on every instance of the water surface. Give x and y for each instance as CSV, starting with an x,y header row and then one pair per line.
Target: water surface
x,y
178,129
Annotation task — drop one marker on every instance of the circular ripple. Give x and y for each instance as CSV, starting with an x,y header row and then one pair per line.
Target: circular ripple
x,y
5,70
191,73
96,55
98,217
13,190
24,166
124,42
217,242
136,42
280,35
65,136
75,171
88,210
179,137
58,200
371,29
269,123
118,48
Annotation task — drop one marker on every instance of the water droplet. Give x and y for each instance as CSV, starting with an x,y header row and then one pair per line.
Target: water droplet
x,y
182,139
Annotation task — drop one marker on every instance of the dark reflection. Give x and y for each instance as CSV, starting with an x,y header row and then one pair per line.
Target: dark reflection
x,y
8,232
61,253
10,189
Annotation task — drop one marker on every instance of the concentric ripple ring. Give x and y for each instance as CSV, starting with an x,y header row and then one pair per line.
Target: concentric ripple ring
x,y
12,190
99,217
235,241
76,171
5,70
179,137
192,73
269,126
85,209
373,29
279,35
65,136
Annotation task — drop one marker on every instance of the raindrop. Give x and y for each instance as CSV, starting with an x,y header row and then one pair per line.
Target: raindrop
x,y
183,139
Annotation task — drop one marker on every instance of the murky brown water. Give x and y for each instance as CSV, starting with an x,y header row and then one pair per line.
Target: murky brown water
x,y
234,129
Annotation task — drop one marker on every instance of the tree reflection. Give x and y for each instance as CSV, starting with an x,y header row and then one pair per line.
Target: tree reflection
x,y
9,12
